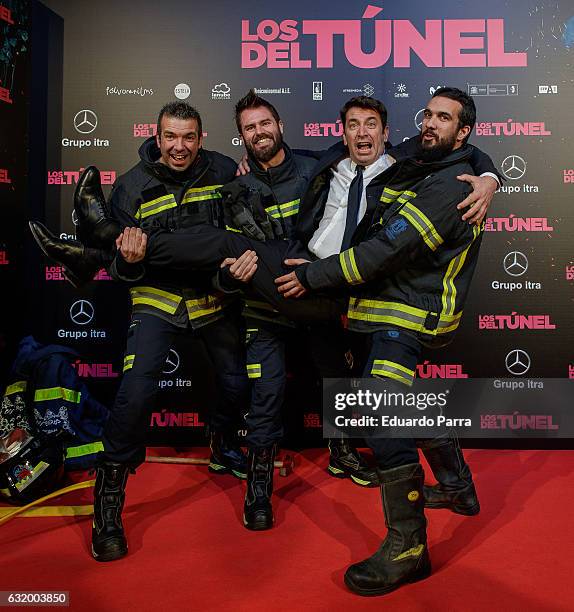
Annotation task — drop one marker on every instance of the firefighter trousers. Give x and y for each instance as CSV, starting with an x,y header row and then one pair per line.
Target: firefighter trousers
x,y
148,343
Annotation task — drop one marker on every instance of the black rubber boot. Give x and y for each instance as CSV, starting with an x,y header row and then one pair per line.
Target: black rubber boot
x,y
95,228
345,461
455,489
403,556
257,509
80,265
227,456
108,537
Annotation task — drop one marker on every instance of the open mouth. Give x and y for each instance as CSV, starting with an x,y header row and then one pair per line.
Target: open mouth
x,y
263,141
178,158
364,147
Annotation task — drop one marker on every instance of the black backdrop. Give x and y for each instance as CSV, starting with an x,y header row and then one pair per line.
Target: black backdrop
x,y
99,72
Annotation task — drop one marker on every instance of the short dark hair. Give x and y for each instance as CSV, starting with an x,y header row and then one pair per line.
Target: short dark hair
x,y
364,102
179,110
252,100
467,115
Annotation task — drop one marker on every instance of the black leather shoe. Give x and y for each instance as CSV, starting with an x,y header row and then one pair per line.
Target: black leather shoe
x,y
345,461
70,254
95,228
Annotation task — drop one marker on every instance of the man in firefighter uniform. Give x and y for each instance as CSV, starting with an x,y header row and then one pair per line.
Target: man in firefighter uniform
x,y
175,185
447,459
277,180
415,259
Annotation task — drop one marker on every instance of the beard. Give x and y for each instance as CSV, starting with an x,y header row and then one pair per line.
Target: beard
x,y
435,151
268,153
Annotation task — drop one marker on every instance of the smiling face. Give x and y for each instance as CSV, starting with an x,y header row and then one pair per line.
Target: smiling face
x,y
179,142
262,133
364,135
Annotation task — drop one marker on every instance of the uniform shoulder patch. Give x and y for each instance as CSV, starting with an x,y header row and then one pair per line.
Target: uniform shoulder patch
x,y
396,227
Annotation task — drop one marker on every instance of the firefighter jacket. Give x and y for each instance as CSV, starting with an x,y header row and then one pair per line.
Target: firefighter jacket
x,y
152,195
46,397
412,257
279,190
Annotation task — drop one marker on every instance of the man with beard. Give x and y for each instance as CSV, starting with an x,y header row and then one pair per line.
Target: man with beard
x,y
408,264
326,225
277,180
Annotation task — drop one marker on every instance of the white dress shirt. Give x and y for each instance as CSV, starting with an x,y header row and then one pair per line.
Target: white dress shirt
x,y
328,238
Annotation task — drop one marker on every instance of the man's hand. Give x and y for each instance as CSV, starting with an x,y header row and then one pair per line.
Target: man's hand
x,y
243,166
242,268
289,285
132,243
479,199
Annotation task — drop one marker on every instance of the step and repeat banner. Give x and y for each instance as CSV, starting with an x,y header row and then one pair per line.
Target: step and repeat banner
x,y
122,61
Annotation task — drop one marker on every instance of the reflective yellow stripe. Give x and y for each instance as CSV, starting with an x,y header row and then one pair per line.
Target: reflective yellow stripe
x,y
84,449
349,267
17,387
284,210
454,267
193,190
198,198
198,194
289,208
390,195
153,207
390,191
232,229
423,225
417,551
254,370
391,369
395,313
42,395
150,296
129,362
203,306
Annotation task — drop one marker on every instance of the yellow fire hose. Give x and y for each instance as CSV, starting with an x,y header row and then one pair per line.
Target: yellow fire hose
x,y
34,509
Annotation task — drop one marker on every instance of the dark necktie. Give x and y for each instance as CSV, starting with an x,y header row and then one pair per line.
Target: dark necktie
x,y
353,207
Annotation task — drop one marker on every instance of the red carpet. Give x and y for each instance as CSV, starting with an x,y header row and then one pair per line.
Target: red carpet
x,y
189,550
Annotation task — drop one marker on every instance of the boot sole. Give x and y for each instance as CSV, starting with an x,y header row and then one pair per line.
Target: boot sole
x,y
110,556
217,468
421,575
463,510
261,526
338,473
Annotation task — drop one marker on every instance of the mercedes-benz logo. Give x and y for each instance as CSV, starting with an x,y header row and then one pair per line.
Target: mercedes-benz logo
x,y
515,263
81,312
513,167
85,121
171,363
419,119
518,362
